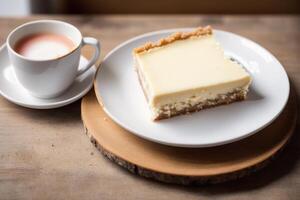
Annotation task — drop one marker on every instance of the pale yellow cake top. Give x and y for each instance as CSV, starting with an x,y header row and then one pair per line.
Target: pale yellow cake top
x,y
193,63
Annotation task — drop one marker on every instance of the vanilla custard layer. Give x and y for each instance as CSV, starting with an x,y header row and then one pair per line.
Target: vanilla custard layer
x,y
187,68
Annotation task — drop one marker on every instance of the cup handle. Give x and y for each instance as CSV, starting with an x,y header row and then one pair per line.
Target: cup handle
x,y
96,44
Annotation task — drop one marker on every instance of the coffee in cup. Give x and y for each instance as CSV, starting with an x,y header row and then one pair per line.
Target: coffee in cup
x,y
44,46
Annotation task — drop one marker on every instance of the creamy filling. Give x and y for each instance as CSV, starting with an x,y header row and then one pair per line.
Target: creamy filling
x,y
199,94
188,64
155,112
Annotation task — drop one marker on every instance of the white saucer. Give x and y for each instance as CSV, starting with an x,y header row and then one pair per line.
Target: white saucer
x,y
117,86
13,91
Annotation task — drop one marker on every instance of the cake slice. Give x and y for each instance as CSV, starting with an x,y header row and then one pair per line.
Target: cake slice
x,y
187,72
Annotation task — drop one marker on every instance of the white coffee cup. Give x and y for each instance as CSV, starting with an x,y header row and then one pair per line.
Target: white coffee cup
x,y
49,78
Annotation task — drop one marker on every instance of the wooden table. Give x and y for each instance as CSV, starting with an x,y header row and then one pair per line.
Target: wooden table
x,y
44,154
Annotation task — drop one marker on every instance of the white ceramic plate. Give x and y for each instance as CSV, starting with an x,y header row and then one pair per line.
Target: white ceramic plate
x,y
13,91
118,88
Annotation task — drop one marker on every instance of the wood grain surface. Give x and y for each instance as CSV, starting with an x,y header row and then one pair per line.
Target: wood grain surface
x,y
44,154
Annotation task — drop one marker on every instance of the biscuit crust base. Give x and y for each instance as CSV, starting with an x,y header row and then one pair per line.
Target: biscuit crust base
x,y
238,94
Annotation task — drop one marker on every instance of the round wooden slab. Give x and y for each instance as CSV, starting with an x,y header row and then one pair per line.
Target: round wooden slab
x,y
186,165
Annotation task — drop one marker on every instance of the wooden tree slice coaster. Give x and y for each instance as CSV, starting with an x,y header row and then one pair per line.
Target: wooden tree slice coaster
x,y
186,165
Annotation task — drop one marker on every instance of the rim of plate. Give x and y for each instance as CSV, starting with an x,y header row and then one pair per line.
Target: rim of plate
x,y
211,144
